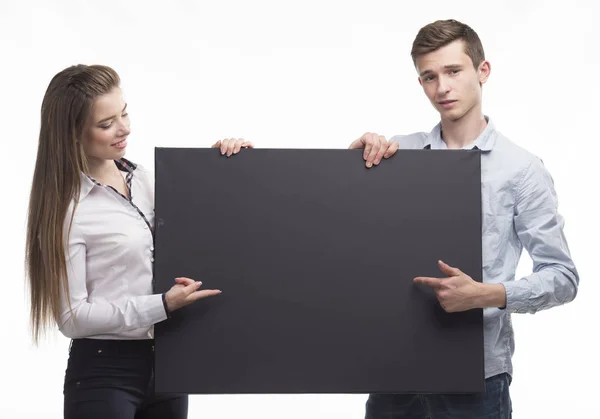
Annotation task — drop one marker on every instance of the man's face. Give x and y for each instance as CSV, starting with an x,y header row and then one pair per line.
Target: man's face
x,y
450,81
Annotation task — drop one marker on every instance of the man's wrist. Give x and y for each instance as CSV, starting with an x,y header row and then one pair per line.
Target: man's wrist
x,y
492,295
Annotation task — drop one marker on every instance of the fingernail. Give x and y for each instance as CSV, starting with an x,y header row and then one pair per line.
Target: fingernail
x,y
376,162
369,164
199,283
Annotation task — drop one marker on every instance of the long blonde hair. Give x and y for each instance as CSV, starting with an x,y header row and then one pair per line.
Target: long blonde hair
x,y
60,161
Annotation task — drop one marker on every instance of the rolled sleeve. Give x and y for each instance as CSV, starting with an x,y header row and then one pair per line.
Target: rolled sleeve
x,y
540,229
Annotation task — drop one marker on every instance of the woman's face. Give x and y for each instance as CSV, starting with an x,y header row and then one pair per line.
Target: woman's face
x,y
105,134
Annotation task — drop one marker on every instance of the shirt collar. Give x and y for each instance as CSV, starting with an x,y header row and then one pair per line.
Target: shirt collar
x,y
88,183
484,142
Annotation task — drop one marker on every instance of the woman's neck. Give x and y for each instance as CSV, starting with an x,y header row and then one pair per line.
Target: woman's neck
x,y
102,170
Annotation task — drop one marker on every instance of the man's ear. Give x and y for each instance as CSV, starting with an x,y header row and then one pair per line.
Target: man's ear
x,y
484,71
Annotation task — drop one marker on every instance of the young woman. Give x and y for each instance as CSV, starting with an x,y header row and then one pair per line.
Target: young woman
x,y
90,250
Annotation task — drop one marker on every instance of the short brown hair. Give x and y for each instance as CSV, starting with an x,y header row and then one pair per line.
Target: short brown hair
x,y
443,32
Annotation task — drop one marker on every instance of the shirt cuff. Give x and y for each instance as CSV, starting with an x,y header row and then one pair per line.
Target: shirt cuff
x,y
517,296
154,309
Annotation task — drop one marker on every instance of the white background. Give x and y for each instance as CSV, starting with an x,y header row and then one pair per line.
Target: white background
x,y
309,74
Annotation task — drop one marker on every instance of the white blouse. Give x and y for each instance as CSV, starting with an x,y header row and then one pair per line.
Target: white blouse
x,y
109,262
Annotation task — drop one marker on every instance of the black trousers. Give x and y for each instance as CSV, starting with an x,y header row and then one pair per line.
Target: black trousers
x,y
115,379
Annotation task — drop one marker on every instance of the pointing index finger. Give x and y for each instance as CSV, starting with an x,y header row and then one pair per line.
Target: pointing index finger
x,y
434,283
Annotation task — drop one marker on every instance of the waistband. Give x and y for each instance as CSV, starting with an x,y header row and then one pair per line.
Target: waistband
x,y
108,347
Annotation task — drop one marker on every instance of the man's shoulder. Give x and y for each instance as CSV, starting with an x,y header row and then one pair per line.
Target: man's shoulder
x,y
415,140
512,153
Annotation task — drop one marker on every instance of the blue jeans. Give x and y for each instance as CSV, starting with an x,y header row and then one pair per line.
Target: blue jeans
x,y
114,379
493,404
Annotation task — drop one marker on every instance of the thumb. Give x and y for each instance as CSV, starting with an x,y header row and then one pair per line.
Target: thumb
x,y
193,287
184,281
358,144
449,270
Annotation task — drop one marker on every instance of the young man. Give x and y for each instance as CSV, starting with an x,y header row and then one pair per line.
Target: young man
x,y
519,208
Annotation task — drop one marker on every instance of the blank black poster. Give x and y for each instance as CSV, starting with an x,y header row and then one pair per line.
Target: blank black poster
x,y
316,255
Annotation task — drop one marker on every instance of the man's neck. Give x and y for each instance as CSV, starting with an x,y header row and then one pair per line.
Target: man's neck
x,y
462,132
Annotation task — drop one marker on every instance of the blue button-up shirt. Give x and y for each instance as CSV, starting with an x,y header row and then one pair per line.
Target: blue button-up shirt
x,y
519,209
